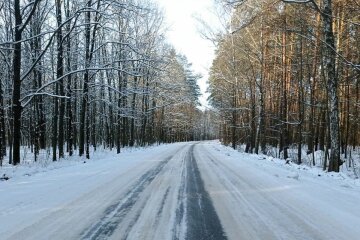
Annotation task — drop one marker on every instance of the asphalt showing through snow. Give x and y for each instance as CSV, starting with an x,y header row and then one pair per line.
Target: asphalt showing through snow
x,y
195,209
202,220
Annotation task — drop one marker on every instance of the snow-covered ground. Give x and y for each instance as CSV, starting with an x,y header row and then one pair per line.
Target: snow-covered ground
x,y
177,191
346,177
259,197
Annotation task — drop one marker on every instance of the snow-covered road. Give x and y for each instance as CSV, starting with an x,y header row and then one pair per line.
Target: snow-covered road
x,y
180,191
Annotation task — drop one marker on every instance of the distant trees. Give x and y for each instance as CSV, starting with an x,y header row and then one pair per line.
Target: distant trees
x,y
177,113
91,73
287,74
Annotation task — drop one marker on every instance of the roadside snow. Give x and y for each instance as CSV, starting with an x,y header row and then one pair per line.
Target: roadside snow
x,y
279,168
258,197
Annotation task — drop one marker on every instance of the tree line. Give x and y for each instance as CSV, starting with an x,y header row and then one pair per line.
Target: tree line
x,y
286,74
82,74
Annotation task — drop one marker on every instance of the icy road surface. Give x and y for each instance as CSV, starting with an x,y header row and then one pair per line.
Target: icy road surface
x,y
181,191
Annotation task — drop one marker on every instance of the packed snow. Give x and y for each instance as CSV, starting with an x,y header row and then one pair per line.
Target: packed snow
x,y
147,194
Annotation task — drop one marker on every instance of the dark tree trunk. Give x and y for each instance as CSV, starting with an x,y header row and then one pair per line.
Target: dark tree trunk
x,y
70,132
89,50
110,118
119,103
133,111
55,123
85,93
59,74
41,115
2,127
16,104
145,107
93,126
284,143
17,108
124,120
234,119
253,117
300,101
40,126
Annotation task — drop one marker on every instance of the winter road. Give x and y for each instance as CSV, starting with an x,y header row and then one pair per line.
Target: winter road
x,y
190,191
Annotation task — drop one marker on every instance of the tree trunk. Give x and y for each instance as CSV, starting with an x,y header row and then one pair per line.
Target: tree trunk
x,y
17,108
59,74
85,93
133,110
300,102
70,132
2,126
332,85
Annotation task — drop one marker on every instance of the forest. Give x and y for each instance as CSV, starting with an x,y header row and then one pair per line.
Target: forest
x,y
286,74
107,130
80,75
83,74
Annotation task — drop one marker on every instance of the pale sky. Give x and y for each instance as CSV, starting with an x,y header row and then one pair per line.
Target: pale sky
x,y
184,35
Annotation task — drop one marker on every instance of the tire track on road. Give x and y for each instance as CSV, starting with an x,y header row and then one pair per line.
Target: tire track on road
x,y
115,213
202,219
195,217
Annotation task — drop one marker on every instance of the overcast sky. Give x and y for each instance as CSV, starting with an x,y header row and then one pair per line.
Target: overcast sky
x,y
184,36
